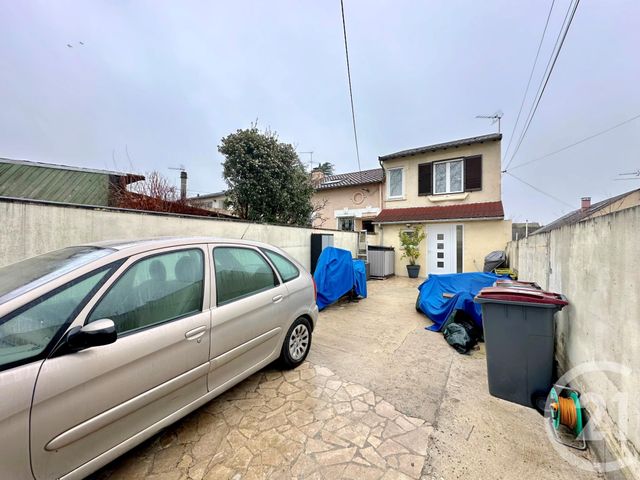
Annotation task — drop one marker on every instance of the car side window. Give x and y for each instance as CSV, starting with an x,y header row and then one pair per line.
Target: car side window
x,y
288,271
154,290
27,333
240,272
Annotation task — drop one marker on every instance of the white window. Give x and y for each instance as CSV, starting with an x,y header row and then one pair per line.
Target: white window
x,y
448,176
395,177
346,224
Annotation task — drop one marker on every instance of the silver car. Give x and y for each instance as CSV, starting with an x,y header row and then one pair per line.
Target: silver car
x,y
103,345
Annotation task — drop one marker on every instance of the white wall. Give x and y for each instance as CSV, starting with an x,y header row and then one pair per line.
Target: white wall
x,y
596,265
31,228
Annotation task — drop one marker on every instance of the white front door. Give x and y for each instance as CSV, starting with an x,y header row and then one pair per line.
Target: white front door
x,y
442,248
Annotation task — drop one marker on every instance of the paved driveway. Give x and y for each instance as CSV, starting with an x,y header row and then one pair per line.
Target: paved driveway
x,y
379,397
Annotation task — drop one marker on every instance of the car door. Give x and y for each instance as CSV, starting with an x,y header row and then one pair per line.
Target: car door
x,y
249,319
26,335
88,402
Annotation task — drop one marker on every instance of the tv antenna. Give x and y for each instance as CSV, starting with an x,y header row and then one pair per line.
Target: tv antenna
x,y
180,167
495,117
310,159
630,175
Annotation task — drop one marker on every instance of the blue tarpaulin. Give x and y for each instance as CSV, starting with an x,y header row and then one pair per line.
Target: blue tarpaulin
x,y
462,286
337,274
360,272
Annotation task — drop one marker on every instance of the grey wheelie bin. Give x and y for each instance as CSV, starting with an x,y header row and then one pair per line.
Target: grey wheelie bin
x,y
519,335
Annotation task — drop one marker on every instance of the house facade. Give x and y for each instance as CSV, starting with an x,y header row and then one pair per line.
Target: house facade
x,y
454,191
348,201
214,202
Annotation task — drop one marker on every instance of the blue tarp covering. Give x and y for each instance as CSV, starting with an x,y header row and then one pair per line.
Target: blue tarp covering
x,y
336,274
463,286
360,272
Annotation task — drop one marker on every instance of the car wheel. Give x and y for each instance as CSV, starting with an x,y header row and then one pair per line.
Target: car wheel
x,y
418,304
296,344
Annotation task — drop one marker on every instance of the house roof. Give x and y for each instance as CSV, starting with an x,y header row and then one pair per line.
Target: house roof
x,y
449,212
580,214
442,146
59,183
130,177
350,179
207,196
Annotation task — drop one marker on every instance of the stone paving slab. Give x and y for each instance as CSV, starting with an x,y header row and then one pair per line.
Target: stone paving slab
x,y
303,423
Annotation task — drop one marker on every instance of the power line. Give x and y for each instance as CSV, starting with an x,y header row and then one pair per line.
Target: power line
x,y
540,191
553,59
602,132
533,67
353,112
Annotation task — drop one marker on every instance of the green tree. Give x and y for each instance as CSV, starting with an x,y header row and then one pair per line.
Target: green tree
x,y
326,168
266,180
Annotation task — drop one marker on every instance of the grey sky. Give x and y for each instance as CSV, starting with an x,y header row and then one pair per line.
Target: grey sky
x,y
169,79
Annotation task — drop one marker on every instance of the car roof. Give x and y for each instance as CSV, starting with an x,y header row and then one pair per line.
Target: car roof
x,y
144,244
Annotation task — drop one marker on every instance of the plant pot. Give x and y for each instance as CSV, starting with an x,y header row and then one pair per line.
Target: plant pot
x,y
413,270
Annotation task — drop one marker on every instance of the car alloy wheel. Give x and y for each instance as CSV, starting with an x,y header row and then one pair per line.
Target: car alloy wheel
x,y
298,342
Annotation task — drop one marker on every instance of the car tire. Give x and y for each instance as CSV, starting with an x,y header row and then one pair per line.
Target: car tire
x,y
418,304
296,345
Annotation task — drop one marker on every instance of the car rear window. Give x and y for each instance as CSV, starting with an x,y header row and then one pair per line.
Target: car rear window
x,y
288,271
21,277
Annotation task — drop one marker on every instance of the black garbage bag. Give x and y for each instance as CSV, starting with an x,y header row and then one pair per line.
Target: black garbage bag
x,y
462,333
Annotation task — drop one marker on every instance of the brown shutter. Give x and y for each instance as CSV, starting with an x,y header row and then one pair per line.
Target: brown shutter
x,y
473,173
425,179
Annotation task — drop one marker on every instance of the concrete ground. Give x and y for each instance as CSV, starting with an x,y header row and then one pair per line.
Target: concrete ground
x,y
379,397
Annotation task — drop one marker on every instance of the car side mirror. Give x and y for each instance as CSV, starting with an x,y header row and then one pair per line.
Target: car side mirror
x,y
94,334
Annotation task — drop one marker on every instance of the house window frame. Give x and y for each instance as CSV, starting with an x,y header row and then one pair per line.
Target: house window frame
x,y
353,223
448,176
402,184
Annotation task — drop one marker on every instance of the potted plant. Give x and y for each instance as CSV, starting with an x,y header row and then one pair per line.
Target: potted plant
x,y
410,246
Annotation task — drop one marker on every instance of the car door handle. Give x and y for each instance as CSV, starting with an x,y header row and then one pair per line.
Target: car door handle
x,y
196,333
277,298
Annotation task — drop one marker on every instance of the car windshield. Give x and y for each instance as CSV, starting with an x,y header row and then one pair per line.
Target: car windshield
x,y
21,277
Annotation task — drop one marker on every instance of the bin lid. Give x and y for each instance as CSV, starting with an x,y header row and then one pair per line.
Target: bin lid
x,y
521,295
506,282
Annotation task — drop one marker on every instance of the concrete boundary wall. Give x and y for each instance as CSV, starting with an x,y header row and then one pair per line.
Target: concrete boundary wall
x,y
30,228
596,265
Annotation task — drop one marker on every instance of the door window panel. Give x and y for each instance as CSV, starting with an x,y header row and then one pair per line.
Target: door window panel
x,y
155,290
28,333
240,272
288,271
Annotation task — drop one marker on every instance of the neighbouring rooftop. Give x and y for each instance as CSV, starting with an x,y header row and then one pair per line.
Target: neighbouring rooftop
x,y
609,205
351,179
492,137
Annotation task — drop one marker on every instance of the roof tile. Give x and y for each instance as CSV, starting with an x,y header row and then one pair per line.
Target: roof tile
x,y
448,212
363,177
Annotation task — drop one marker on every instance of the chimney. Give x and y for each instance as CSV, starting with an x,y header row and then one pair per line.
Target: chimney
x,y
183,185
317,177
586,203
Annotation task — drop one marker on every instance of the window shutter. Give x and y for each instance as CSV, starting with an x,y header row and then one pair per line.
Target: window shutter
x,y
473,173
425,179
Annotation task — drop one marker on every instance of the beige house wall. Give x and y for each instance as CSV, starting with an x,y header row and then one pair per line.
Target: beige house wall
x,y
480,238
491,177
363,199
